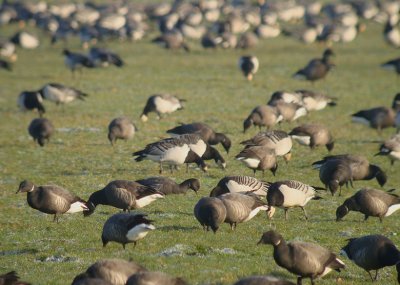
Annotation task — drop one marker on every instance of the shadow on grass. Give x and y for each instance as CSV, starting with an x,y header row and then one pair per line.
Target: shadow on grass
x,y
177,228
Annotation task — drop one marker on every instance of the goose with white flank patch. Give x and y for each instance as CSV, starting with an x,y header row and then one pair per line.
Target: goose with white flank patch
x,y
173,40
11,278
126,228
240,184
161,104
31,100
373,252
52,199
313,135
105,57
258,158
154,277
76,61
306,260
61,94
315,101
391,148
290,111
334,174
121,128
41,129
25,40
289,194
249,66
210,212
168,186
262,116
262,280
114,271
317,68
391,33
370,202
123,194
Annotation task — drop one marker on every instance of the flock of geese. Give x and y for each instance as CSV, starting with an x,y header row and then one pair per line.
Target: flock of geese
x,y
235,199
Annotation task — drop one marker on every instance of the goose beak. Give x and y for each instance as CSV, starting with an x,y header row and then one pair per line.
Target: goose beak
x,y
17,191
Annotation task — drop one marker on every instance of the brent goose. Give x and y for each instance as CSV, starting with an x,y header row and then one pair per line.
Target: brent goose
x,y
393,64
317,68
249,66
5,65
261,116
173,40
104,57
161,104
290,111
25,40
240,184
76,61
258,158
11,278
335,173
154,277
313,135
391,33
121,128
41,129
61,94
315,101
168,186
31,100
391,148
210,212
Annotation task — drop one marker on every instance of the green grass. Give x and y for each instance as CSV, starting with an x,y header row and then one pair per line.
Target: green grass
x,y
83,161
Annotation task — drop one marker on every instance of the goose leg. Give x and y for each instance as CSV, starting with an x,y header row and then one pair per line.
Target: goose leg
x,y
161,169
305,213
171,169
254,172
376,275
381,219
340,190
312,280
372,279
187,167
366,217
123,246
286,214
55,219
299,280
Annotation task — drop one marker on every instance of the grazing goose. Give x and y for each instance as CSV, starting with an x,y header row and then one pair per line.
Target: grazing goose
x,y
247,40
263,115
61,94
373,252
173,40
123,194
159,278
249,66
289,194
393,64
104,57
41,129
391,33
210,212
126,228
262,280
334,174
377,118
52,199
11,278
370,202
167,186
25,40
290,111
315,101
31,100
161,104
240,184
391,148
121,128
5,65
115,271
76,61
213,153
317,68
258,158
205,132
306,260
313,135
277,140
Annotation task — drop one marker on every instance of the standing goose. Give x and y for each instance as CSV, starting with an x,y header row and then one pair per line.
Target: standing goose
x,y
41,129
167,186
61,94
258,158
210,212
317,68
334,174
391,148
76,61
370,202
249,66
290,111
262,116
104,57
205,132
313,135
31,100
240,184
159,278
161,104
373,252
52,199
123,194
306,260
289,194
126,228
121,128
11,278
262,280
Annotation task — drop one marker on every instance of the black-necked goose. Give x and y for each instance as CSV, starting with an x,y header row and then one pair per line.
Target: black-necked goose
x,y
283,96
126,228
61,94
31,100
173,40
240,184
25,40
52,199
315,101
249,66
123,194
334,174
210,212
169,186
154,277
262,116
104,57
5,65
11,278
391,148
289,194
161,104
205,132
121,128
391,33
290,111
76,61
262,280
373,252
258,158
306,260
393,64
247,40
41,129
317,68
370,202
313,135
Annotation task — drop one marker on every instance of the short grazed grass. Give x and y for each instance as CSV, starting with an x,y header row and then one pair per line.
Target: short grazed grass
x,y
81,159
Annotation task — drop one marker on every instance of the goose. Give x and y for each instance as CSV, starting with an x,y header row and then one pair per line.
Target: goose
x,y
373,252
370,202
240,184
286,97
121,128
258,158
31,100
268,31
313,135
393,64
52,199
126,228
25,40
289,194
306,260
334,174
11,278
154,277
391,33
60,94
262,280
391,148
249,66
123,194
290,111
114,271
104,57
204,131
161,104
212,153
277,140
41,129
262,115
377,118
210,41
167,186
5,65
315,101
210,212
76,61
247,40
317,68
173,40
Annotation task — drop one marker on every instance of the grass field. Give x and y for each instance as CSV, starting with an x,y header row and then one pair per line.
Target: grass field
x,y
80,158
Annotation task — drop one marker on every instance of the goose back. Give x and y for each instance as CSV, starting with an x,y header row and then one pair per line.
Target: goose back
x,y
168,186
210,212
334,174
240,184
278,140
262,116
313,135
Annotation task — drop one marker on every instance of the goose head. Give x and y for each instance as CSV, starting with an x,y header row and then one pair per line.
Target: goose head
x,y
25,187
271,237
341,211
